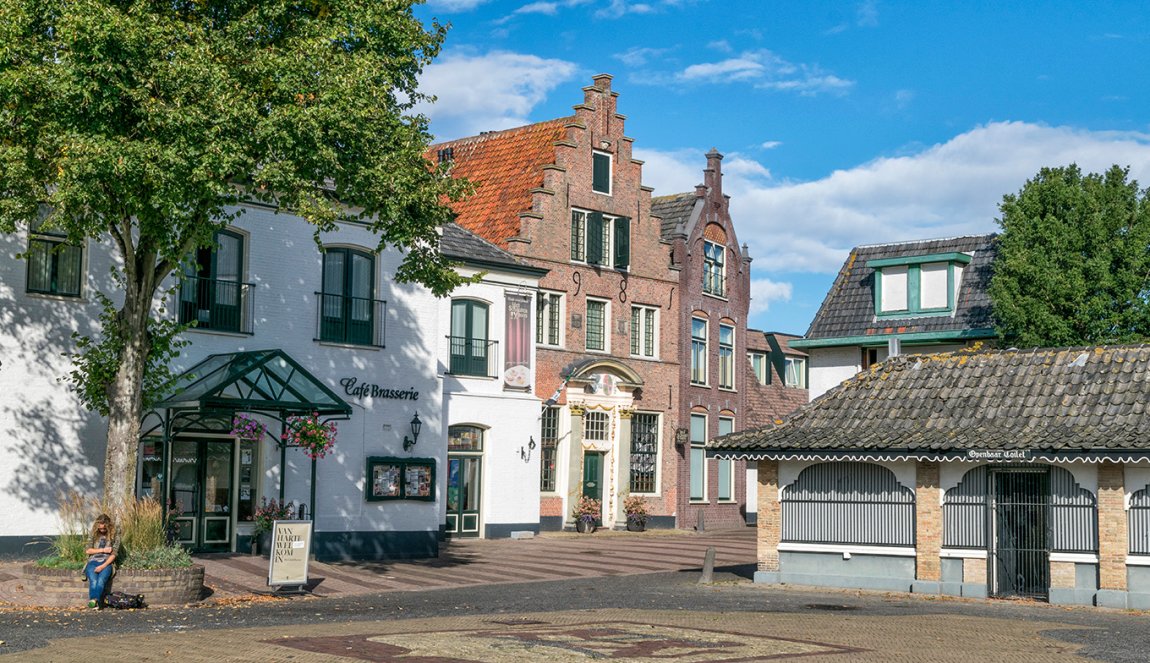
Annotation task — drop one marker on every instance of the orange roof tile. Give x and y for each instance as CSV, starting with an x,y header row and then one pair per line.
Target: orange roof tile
x,y
504,166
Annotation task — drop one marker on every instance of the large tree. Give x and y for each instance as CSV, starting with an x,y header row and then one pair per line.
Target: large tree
x,y
1073,265
147,121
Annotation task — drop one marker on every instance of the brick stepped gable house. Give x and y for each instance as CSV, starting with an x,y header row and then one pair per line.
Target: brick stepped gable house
x,y
714,287
776,386
1004,473
566,195
905,297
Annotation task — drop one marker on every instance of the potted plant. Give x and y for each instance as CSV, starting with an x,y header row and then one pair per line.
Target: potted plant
x,y
636,509
265,515
310,434
247,428
587,511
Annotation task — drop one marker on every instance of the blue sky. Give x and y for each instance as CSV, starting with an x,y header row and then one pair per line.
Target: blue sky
x,y
842,123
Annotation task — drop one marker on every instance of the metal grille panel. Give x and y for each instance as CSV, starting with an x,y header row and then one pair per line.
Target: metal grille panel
x,y
1020,559
1139,519
848,503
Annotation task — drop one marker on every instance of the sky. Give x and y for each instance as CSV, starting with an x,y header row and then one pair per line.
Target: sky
x,y
841,123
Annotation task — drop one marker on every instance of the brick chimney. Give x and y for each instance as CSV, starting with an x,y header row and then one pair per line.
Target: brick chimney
x,y
713,175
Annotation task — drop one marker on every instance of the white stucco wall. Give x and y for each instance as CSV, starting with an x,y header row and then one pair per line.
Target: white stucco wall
x,y
830,366
53,444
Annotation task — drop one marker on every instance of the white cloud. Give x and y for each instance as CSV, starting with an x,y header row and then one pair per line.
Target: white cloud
x,y
771,144
546,7
488,92
637,56
765,291
618,8
767,71
948,189
867,14
455,5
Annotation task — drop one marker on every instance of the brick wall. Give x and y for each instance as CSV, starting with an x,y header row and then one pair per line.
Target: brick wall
x,y
769,526
1112,538
928,522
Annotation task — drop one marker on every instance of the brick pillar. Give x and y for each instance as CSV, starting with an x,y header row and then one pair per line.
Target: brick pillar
x,y
769,526
928,523
1112,537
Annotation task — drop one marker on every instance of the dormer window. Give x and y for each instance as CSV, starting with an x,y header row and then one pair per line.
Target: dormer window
x,y
917,286
601,172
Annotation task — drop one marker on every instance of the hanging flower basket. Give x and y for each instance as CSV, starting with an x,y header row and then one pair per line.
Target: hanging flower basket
x,y
247,428
309,434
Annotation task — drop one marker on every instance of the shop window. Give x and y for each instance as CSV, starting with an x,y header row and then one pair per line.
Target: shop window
x,y
644,452
549,447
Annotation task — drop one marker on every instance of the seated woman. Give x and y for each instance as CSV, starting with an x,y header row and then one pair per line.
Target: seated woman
x,y
102,550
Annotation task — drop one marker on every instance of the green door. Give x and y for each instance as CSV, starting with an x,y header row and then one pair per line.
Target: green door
x,y
202,493
593,479
463,474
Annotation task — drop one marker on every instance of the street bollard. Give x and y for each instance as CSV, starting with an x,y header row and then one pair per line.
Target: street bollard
x,y
708,567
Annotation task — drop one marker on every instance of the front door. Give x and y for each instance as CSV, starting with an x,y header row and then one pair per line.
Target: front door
x,y
593,479
463,474
1020,524
202,493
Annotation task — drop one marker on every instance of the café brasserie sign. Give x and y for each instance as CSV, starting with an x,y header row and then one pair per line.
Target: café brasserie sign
x,y
356,389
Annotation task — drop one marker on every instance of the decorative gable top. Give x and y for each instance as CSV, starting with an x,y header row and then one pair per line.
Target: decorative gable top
x,y
504,166
848,310
1055,401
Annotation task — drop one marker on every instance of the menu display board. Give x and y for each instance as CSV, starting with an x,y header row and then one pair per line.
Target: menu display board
x,y
399,479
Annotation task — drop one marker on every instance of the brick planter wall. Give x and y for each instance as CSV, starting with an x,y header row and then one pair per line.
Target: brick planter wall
x,y
63,587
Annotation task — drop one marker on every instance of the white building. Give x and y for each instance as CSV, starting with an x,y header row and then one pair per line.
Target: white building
x,y
282,328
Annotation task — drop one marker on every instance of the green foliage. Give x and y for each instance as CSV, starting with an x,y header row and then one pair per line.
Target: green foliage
x,y
164,557
144,124
96,360
1073,265
58,561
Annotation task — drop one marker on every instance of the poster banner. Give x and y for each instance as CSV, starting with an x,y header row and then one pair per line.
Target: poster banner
x,y
291,548
517,358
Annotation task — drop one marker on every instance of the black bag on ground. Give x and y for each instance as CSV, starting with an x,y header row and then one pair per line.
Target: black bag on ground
x,y
122,601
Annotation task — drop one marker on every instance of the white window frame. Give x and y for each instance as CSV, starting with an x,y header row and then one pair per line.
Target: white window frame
x,y
762,369
645,313
608,240
606,326
700,447
721,274
727,462
706,348
606,417
802,374
658,455
610,172
543,312
730,359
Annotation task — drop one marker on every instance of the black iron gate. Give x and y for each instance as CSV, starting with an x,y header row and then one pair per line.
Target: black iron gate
x,y
1019,559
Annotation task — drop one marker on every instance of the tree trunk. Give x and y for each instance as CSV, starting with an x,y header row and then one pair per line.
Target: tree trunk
x,y
125,400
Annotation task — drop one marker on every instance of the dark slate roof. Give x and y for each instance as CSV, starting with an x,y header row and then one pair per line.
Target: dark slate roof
x,y
848,309
675,210
461,244
1064,401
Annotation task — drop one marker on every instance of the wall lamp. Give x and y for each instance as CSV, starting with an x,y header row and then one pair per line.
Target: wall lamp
x,y
416,426
525,454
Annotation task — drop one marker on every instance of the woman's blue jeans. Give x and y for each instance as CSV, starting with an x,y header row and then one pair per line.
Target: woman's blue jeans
x,y
97,580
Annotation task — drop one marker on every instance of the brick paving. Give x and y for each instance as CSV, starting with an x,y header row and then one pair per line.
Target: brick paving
x,y
551,556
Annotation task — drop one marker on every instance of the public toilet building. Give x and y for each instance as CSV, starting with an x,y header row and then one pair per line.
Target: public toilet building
x,y
1001,473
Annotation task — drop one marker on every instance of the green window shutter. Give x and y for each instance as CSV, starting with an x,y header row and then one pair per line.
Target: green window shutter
x,y
601,172
622,242
595,238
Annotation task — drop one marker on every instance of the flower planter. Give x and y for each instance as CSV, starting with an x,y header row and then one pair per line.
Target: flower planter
x,y
67,587
636,525
584,526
